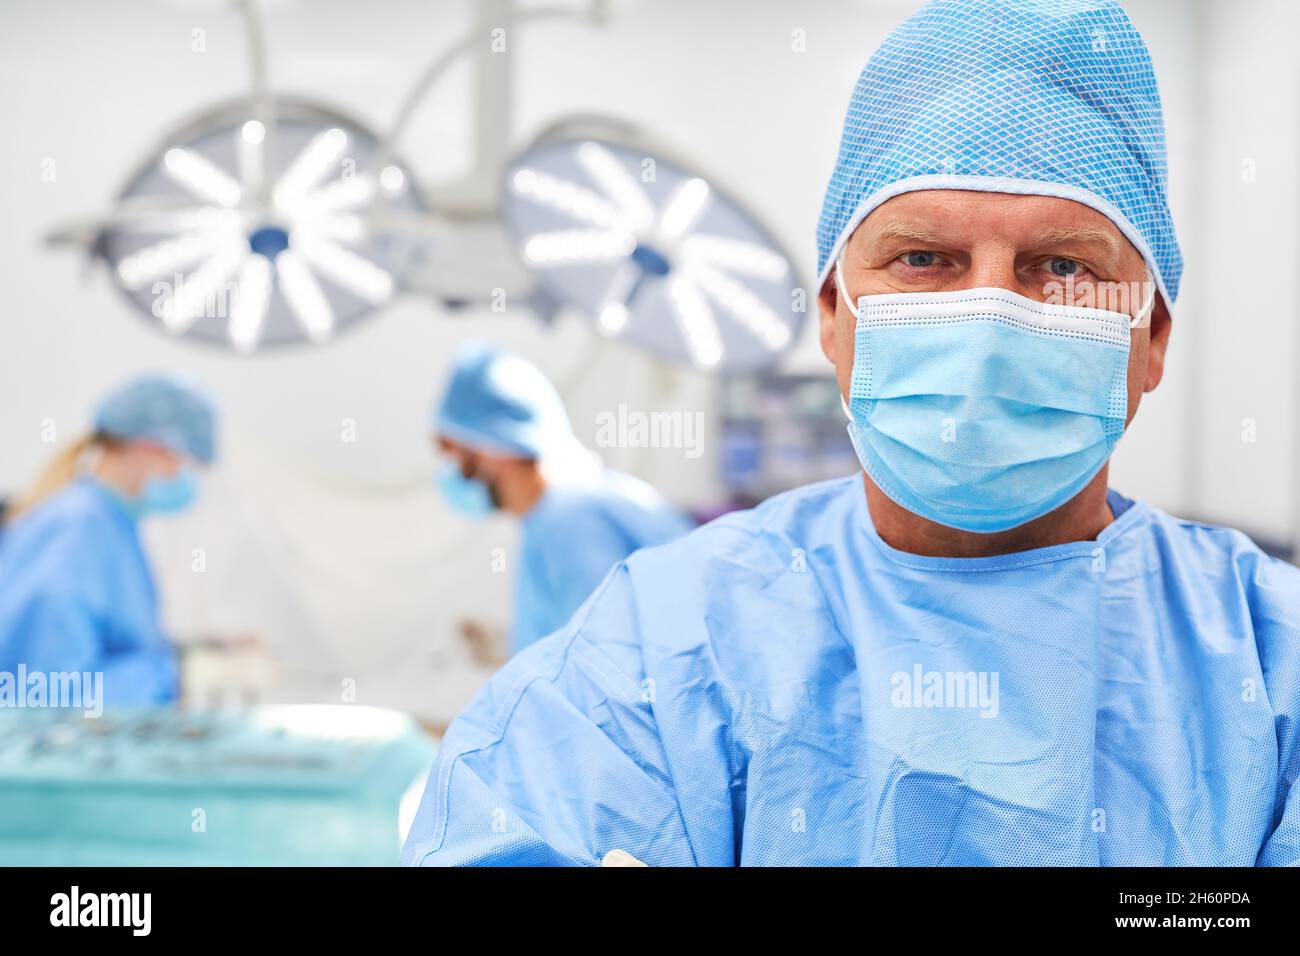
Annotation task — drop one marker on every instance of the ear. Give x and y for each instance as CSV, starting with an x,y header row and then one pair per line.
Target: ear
x,y
1161,327
828,299
170,461
490,466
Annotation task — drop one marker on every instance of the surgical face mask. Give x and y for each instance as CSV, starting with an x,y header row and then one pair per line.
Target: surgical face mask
x,y
166,494
470,497
981,409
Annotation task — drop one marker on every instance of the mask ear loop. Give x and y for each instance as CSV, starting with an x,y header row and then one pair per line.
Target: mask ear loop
x,y
1148,307
839,284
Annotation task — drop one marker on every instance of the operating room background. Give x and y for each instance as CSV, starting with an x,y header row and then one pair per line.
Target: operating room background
x,y
339,553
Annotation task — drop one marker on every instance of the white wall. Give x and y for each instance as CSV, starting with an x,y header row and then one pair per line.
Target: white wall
x,y
1246,250
340,555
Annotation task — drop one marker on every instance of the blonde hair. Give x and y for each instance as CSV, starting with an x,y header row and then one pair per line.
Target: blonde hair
x,y
57,474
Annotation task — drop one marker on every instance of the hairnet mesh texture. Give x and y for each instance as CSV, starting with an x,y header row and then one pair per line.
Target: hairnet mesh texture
x,y
1049,97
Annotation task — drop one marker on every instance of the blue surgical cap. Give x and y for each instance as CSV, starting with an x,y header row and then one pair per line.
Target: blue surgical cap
x,y
499,402
1038,97
164,409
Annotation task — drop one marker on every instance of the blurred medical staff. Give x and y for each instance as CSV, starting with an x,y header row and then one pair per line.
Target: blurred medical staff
x,y
76,591
510,447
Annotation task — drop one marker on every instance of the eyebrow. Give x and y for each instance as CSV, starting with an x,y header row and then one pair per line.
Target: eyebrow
x,y
1080,234
896,229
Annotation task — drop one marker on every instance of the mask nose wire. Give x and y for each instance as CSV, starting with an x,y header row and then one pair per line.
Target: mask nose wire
x,y
1142,313
1134,322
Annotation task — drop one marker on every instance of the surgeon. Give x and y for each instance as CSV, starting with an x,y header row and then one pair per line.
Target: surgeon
x,y
974,652
508,446
76,590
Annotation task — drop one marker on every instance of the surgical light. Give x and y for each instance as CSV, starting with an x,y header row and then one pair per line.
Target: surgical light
x,y
272,220
263,234
654,253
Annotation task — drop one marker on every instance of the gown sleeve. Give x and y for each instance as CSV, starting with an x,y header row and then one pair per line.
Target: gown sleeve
x,y
61,636
558,759
1283,845
1275,613
58,622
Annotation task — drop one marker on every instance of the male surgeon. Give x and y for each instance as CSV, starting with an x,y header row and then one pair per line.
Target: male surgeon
x,y
508,445
973,652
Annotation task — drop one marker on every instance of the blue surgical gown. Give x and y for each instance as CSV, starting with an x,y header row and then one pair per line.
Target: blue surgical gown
x,y
77,594
572,536
749,695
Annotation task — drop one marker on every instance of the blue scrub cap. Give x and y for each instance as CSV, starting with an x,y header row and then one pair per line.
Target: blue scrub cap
x,y
1039,97
162,408
501,402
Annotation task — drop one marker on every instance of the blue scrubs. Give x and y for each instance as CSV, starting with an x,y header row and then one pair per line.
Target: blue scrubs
x,y
782,687
77,594
573,536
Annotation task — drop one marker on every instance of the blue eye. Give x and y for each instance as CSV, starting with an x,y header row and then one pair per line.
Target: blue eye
x,y
1063,267
919,260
